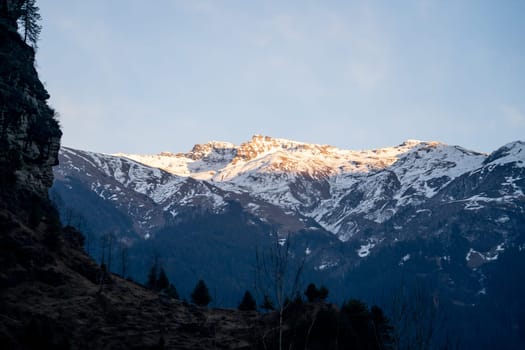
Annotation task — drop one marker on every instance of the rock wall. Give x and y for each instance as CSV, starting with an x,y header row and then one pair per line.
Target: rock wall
x,y
29,132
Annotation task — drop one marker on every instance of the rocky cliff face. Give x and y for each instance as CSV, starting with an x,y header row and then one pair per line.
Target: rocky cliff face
x,y
29,132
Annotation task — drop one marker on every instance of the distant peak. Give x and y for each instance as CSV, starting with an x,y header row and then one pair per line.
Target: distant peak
x,y
508,153
215,144
411,142
269,139
515,144
200,151
260,144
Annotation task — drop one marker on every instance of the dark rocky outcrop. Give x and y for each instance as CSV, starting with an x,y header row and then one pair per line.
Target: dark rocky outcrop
x,y
29,132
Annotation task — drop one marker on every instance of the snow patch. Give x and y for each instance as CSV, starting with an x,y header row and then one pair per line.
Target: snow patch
x,y
404,259
325,265
364,250
503,219
489,256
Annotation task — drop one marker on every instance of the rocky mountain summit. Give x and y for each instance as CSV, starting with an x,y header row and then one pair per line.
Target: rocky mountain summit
x,y
292,184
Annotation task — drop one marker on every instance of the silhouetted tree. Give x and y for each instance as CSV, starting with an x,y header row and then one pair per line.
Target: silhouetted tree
x,y
110,239
275,271
248,302
267,303
416,317
311,292
356,324
102,275
106,247
201,295
315,295
172,292
152,276
162,281
124,259
323,293
29,18
383,328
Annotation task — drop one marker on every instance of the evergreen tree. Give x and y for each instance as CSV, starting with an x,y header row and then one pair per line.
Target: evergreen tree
x,y
267,303
356,325
172,292
162,281
323,293
200,295
383,328
311,293
28,19
248,302
152,277
315,295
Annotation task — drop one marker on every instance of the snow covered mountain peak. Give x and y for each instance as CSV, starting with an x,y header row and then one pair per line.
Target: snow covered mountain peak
x,y
411,142
211,149
224,161
513,152
336,188
260,145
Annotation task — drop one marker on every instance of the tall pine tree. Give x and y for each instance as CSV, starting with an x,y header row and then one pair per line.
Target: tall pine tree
x,y
162,281
152,277
29,18
248,302
200,295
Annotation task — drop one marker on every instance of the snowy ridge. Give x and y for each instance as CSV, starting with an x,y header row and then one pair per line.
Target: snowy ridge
x,y
223,161
142,179
513,152
336,188
129,184
431,166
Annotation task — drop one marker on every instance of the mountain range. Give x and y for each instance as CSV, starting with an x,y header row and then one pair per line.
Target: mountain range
x,y
441,216
296,186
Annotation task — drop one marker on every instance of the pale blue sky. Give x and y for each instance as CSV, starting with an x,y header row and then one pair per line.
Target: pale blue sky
x,y
161,75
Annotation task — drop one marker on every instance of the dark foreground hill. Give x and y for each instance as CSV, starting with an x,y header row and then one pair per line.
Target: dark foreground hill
x,y
52,297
